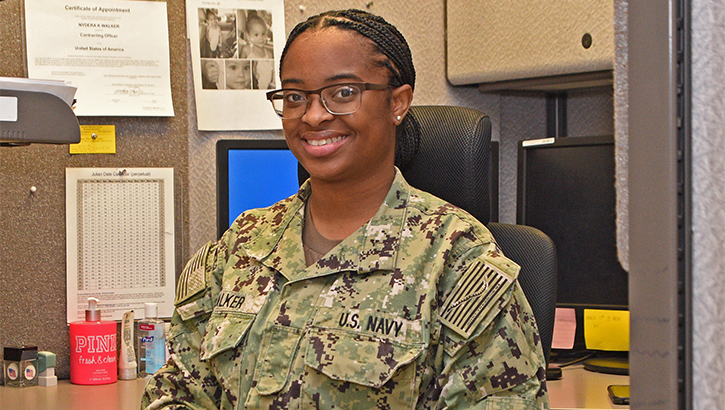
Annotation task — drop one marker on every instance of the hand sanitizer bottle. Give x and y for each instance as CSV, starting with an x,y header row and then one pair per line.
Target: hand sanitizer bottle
x,y
150,342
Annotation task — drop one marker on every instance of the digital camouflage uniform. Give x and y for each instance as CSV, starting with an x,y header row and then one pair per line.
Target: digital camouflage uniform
x,y
416,309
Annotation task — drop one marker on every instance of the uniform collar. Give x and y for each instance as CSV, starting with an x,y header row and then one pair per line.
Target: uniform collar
x,y
374,246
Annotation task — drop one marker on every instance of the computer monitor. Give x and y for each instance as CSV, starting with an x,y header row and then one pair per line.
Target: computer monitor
x,y
566,189
252,174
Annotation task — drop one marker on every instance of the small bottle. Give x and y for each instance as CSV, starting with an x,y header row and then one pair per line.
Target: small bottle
x,y
21,366
150,342
46,369
93,348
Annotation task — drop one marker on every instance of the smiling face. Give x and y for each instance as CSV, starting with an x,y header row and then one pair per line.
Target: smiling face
x,y
350,147
257,32
239,75
212,19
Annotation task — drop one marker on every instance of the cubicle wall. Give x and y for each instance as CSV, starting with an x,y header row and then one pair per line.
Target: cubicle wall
x,y
32,227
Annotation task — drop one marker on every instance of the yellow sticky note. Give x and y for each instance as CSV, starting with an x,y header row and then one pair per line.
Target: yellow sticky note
x,y
606,329
96,139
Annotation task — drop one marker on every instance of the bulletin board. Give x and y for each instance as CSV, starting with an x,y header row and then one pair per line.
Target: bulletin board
x,y
32,222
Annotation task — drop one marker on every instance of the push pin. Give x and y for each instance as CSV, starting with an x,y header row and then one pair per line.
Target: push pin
x,y
122,172
94,135
369,4
302,8
33,190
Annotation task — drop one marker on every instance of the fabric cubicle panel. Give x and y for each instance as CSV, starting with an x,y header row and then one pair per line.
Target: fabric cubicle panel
x,y
497,41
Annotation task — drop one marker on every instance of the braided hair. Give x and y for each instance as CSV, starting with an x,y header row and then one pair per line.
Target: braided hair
x,y
390,43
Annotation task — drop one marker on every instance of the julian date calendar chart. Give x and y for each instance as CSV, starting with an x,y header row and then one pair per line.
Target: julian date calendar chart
x,y
120,240
131,213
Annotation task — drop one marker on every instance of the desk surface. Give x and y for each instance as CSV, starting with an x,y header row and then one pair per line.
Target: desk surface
x,y
122,395
578,389
582,389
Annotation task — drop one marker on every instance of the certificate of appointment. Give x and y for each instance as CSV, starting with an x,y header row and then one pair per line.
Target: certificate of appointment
x,y
115,52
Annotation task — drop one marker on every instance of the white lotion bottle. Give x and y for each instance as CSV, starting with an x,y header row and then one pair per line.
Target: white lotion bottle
x,y
127,366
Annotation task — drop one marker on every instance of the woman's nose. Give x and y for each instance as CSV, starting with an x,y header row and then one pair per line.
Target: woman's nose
x,y
316,112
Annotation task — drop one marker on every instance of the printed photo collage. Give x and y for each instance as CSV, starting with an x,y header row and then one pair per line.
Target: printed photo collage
x,y
236,49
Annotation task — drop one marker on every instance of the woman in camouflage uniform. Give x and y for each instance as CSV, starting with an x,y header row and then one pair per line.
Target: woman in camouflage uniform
x,y
359,292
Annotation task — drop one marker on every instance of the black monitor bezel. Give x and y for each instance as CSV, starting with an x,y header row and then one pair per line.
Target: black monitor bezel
x,y
546,143
553,143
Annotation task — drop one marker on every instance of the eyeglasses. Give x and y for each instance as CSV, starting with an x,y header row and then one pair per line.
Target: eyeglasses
x,y
338,99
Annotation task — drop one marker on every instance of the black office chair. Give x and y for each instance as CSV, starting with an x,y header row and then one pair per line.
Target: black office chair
x,y
453,157
453,163
534,251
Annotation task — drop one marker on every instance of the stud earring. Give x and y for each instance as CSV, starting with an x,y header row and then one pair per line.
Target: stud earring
x,y
398,118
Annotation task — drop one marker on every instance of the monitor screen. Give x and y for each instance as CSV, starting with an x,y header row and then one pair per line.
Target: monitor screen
x,y
252,174
566,189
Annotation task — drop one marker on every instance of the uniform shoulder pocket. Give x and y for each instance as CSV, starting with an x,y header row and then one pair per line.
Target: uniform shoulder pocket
x,y
195,308
224,331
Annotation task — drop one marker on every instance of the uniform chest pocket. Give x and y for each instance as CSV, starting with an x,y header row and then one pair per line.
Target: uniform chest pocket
x,y
360,358
224,331
280,348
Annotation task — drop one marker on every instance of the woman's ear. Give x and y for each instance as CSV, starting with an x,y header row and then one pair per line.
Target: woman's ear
x,y
402,97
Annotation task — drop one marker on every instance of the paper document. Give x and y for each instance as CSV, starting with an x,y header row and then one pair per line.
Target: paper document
x,y
115,52
120,240
235,50
60,89
564,328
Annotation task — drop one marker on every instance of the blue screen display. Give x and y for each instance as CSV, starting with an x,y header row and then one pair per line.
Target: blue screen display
x,y
260,177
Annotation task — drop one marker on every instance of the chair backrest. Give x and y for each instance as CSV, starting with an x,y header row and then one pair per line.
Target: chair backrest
x,y
453,159
453,164
535,253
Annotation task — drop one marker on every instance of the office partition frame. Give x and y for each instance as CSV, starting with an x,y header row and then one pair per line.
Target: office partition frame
x,y
660,204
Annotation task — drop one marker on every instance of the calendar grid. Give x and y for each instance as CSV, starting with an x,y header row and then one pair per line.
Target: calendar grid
x,y
120,234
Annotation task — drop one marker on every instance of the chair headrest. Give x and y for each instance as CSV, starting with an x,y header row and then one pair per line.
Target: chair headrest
x,y
452,161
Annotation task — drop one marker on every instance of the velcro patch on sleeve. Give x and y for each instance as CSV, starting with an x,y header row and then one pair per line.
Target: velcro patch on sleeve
x,y
193,278
473,297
